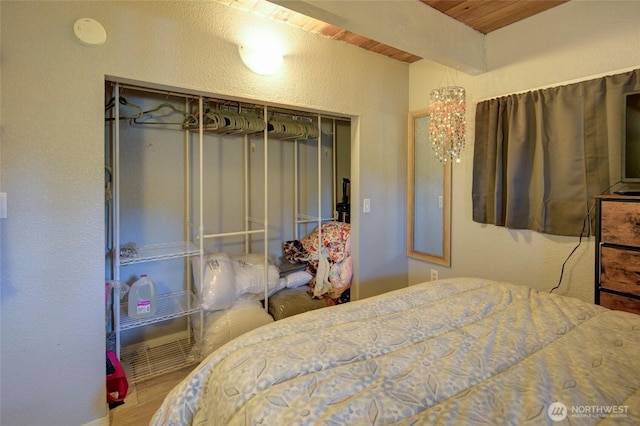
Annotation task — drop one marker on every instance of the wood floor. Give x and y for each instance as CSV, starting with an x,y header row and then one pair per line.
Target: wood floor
x,y
143,399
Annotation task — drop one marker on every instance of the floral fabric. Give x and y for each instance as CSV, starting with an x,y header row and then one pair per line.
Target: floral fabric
x,y
328,257
334,241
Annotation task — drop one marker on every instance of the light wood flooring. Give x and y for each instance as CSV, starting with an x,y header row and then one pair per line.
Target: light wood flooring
x,y
143,399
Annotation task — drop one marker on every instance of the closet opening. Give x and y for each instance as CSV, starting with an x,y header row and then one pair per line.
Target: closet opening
x,y
228,206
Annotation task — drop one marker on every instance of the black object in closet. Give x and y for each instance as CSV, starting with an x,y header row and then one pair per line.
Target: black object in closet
x,y
123,101
344,208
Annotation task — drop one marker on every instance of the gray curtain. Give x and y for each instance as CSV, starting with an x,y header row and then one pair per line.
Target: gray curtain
x,y
540,157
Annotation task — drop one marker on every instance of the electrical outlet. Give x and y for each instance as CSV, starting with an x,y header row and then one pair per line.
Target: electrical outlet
x,y
434,274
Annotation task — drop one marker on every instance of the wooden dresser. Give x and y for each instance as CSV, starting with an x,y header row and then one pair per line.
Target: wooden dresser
x,y
617,272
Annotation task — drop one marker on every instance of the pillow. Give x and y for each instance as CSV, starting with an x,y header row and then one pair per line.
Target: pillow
x,y
298,279
217,290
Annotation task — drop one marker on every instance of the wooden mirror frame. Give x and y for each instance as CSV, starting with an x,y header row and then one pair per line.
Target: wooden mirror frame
x,y
444,257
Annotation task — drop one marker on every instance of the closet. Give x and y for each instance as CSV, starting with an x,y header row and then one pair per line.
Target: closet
x,y
187,175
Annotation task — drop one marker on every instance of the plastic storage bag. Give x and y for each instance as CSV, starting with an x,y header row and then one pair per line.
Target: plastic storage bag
x,y
249,274
217,290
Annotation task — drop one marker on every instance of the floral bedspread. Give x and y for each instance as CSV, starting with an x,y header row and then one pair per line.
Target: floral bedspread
x,y
463,351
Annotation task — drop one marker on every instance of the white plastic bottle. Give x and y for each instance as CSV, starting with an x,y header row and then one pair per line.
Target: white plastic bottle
x,y
143,300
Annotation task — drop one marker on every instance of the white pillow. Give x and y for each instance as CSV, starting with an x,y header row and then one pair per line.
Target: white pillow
x,y
298,279
217,291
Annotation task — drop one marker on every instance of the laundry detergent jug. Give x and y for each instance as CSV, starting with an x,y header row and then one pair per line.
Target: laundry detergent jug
x,y
143,300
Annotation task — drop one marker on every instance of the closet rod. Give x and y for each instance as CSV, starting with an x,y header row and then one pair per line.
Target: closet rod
x,y
206,98
246,103
158,91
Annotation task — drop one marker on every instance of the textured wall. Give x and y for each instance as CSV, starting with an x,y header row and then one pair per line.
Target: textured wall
x,y
52,346
595,38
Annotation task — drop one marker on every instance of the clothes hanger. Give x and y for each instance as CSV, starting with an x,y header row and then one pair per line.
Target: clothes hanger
x,y
146,116
286,128
165,105
110,104
124,102
226,118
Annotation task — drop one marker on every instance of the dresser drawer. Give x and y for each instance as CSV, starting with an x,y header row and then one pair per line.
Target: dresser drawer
x,y
620,222
620,269
619,303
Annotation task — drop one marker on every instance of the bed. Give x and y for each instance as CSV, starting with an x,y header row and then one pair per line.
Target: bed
x,y
461,351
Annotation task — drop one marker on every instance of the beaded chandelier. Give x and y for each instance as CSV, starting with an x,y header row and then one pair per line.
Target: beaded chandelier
x,y
447,123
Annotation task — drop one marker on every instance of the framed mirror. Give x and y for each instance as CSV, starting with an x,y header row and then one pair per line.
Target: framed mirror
x,y
428,197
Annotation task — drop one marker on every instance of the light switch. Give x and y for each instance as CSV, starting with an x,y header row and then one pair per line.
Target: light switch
x,y
366,205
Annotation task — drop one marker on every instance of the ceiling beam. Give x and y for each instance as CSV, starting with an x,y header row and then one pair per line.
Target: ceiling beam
x,y
404,24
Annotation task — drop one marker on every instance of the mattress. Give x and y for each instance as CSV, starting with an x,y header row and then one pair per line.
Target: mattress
x,y
462,351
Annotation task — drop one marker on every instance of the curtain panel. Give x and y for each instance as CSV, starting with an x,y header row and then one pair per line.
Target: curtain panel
x,y
540,157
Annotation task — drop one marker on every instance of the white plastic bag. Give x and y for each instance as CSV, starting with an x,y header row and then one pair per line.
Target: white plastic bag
x,y
222,326
249,274
217,290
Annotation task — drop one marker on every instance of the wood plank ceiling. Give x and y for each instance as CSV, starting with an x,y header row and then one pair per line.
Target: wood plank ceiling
x,y
482,15
490,15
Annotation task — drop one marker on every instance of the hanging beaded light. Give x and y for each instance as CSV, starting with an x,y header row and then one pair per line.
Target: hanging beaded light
x,y
447,123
